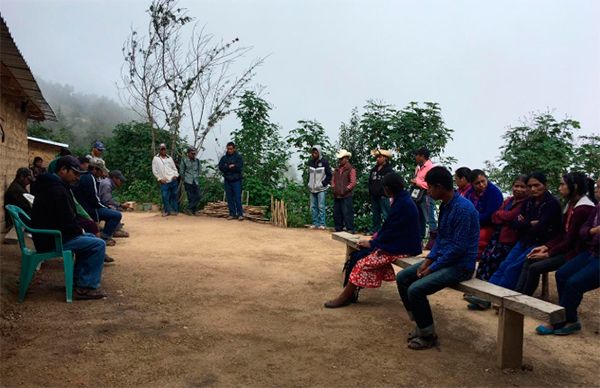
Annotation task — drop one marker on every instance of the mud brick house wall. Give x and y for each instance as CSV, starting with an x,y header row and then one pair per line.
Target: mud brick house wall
x,y
20,100
45,149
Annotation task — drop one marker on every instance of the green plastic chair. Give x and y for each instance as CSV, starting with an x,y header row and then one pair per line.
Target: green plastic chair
x,y
30,259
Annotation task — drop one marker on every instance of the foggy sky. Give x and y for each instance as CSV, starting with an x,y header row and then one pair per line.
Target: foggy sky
x,y
488,64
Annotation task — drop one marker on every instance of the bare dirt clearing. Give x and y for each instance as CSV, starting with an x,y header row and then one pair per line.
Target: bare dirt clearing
x,y
197,301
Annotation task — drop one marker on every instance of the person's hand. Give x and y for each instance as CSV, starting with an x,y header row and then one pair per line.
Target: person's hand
x,y
520,218
595,230
174,178
232,165
424,268
538,255
163,181
534,223
413,181
364,243
537,250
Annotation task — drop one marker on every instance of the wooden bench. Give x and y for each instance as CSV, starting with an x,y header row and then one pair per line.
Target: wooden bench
x,y
513,306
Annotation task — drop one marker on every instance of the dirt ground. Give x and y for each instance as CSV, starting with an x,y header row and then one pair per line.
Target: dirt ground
x,y
197,301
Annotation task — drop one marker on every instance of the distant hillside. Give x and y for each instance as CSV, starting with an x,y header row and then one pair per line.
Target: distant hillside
x,y
82,118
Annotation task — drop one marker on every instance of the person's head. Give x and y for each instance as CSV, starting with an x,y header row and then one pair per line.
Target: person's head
x,y
479,181
230,148
191,152
98,148
439,182
24,176
37,161
84,162
421,155
393,184
536,181
117,177
64,152
381,156
98,168
462,177
315,152
574,185
343,157
519,187
68,169
162,149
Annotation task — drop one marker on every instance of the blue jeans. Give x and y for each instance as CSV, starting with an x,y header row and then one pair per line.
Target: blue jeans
x,y
89,253
343,214
112,218
414,290
168,192
381,208
508,273
233,192
578,276
427,215
193,195
317,207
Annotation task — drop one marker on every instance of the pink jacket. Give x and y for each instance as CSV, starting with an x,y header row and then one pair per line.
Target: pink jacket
x,y
420,173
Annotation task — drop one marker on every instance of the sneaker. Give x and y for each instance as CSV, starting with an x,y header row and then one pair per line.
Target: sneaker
x,y
321,227
230,217
88,293
121,233
241,218
164,214
174,214
312,227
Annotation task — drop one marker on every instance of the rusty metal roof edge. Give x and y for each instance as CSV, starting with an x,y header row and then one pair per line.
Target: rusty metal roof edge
x,y
38,100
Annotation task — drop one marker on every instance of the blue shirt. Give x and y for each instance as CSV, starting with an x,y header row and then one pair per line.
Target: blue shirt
x,y
458,235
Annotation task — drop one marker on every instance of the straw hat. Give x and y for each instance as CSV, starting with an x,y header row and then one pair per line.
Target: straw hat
x,y
342,154
386,153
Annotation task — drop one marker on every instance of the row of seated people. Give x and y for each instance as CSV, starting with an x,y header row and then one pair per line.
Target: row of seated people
x,y
515,240
73,199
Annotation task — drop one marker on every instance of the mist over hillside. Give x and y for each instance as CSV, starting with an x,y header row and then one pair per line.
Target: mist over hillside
x,y
82,117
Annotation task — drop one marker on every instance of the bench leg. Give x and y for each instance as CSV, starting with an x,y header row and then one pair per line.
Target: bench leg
x,y
349,251
510,339
545,290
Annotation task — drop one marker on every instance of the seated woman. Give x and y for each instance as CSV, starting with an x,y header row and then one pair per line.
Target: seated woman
x,y
539,222
462,179
487,198
574,188
578,276
399,237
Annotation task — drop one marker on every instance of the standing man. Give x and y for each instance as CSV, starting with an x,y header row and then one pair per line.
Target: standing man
x,y
451,260
424,202
97,149
380,204
54,208
190,171
163,168
231,165
343,183
319,178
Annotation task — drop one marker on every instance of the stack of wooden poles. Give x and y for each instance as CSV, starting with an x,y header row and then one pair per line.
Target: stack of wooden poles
x,y
278,212
220,209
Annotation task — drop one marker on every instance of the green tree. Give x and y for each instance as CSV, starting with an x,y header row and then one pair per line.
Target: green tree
x,y
541,143
587,155
265,153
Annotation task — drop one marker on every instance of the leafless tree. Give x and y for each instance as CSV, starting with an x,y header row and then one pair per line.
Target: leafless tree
x,y
173,83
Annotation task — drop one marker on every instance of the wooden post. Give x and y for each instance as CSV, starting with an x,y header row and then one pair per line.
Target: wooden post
x,y
510,339
545,290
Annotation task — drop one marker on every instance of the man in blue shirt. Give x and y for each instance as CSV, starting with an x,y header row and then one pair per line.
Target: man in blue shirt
x,y
451,260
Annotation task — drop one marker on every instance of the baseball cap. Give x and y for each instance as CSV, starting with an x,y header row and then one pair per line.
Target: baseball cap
x,y
162,145
70,162
99,145
117,174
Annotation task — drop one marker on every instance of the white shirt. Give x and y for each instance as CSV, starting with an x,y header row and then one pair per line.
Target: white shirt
x,y
164,168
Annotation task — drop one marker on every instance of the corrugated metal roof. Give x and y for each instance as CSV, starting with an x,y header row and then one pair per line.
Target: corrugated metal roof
x,y
11,58
55,143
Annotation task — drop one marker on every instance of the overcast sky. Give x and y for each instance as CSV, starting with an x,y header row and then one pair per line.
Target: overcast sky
x,y
487,63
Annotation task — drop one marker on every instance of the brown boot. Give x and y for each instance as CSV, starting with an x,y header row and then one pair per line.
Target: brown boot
x,y
432,236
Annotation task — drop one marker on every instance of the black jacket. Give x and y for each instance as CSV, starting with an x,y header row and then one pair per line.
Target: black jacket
x,y
86,193
53,208
548,215
375,177
14,196
235,173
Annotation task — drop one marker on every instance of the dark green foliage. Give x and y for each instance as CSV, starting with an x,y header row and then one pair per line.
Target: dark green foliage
x,y
264,152
541,143
130,150
587,155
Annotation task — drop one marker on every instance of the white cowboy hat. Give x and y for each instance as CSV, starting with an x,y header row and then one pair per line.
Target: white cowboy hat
x,y
386,153
342,154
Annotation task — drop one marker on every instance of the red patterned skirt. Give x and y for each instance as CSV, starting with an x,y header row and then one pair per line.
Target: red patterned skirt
x,y
371,270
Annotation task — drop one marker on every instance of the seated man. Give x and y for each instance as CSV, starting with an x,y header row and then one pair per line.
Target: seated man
x,y
15,191
105,189
451,260
54,208
86,194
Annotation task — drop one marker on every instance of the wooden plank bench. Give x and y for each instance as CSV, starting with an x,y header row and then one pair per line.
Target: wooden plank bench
x,y
513,306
